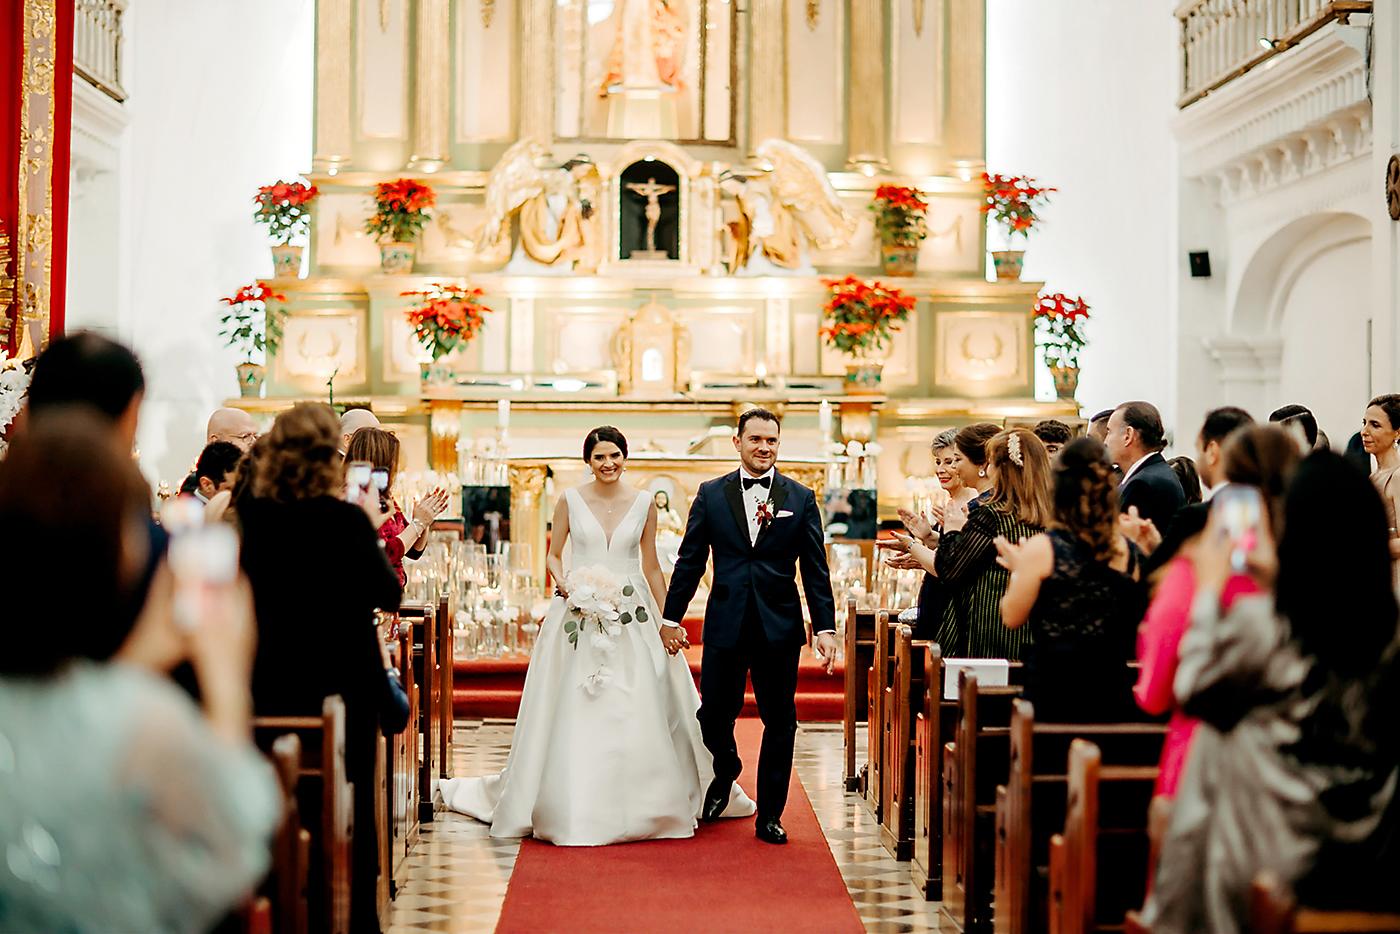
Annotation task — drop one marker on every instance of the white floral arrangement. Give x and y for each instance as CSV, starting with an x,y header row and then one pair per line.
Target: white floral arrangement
x,y
14,383
595,606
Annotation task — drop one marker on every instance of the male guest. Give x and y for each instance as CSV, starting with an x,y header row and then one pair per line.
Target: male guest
x,y
1297,418
352,421
1135,441
215,470
1054,434
231,426
1098,425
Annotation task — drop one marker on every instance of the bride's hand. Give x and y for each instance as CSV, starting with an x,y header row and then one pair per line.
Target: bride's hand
x,y
673,638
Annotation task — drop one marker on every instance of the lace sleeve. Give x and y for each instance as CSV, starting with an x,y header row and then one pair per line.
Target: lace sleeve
x,y
207,808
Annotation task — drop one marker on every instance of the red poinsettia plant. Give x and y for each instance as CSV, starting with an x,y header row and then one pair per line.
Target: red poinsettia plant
x,y
448,317
251,327
400,210
1059,328
1011,200
285,208
862,319
900,215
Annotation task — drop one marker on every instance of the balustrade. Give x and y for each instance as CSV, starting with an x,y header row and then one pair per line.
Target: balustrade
x,y
97,42
1223,39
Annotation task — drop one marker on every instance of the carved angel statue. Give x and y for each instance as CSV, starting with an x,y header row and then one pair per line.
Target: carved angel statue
x,y
776,212
554,228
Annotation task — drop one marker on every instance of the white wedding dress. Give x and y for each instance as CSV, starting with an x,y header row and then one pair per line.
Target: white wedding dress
x,y
607,748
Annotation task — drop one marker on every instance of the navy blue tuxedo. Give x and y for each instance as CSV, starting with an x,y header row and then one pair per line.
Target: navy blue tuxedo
x,y
753,620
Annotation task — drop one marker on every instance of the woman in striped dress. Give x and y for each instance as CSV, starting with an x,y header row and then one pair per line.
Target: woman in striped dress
x,y
966,559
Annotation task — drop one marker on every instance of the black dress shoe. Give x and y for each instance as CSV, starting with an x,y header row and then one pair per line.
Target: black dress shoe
x,y
770,830
716,799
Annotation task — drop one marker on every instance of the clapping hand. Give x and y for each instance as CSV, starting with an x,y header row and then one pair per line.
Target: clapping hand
x,y
953,517
430,507
918,525
903,562
1141,532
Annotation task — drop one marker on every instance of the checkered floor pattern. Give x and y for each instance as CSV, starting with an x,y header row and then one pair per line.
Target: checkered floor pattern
x,y
457,875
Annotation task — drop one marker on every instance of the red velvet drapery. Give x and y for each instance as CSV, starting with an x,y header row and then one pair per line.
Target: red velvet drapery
x,y
36,116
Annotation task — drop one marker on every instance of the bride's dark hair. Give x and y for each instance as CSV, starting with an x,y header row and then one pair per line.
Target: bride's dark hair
x,y
604,433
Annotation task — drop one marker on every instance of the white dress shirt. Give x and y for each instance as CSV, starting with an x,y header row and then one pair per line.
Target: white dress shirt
x,y
753,496
1134,469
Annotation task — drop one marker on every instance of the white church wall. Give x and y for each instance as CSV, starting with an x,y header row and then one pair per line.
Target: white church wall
x,y
1081,95
220,103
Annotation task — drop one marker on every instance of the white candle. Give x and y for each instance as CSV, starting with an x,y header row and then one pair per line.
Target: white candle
x,y
824,419
503,413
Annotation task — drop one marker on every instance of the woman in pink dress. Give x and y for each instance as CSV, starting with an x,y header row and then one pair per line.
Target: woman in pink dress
x,y
1261,457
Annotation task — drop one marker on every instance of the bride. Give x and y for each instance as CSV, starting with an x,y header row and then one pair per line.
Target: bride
x,y
607,748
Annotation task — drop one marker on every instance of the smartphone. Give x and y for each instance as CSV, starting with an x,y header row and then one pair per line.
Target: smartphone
x,y
358,476
204,560
1241,511
380,478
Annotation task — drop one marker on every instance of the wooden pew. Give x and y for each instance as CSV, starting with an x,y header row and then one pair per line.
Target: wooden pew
x,y
291,847
1038,794
935,724
401,758
974,764
904,699
1274,910
877,678
321,778
860,648
447,612
422,620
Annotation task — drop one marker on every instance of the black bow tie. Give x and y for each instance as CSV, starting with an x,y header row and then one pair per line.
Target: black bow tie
x,y
764,482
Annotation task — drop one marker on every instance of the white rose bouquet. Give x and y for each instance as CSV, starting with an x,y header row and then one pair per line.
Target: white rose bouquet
x,y
14,383
600,605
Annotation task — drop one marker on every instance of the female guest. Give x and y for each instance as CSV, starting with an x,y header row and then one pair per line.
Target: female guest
x,y
1380,429
318,574
1295,767
123,807
402,538
969,460
1262,457
929,611
1017,507
1077,587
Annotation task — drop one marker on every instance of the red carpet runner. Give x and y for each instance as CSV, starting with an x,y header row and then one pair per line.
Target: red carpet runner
x,y
722,880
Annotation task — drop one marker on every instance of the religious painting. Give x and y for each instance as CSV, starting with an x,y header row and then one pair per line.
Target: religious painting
x,y
649,212
645,69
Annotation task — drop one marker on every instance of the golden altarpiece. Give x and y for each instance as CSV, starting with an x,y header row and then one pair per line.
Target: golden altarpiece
x,y
650,193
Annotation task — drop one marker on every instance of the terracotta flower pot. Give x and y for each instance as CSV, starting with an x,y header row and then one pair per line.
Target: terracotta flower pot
x,y
250,379
396,259
286,261
1066,381
899,260
863,379
1008,264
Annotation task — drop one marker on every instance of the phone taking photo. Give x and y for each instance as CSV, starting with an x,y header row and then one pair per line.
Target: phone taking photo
x,y
1241,511
358,476
380,478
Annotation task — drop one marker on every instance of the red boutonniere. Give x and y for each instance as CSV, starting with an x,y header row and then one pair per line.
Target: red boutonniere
x,y
763,513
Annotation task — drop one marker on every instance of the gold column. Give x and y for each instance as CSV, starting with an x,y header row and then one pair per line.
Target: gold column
x,y
334,63
33,243
866,146
444,428
812,476
966,144
433,80
767,72
527,519
536,64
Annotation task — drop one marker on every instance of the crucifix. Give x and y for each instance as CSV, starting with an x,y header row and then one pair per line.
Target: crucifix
x,y
652,192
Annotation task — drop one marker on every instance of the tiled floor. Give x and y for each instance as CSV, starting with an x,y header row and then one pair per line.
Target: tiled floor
x,y
458,874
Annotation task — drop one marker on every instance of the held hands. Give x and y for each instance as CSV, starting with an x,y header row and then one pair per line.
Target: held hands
x,y
826,649
673,638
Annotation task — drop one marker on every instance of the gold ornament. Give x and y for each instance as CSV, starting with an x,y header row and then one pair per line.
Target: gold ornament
x,y
814,13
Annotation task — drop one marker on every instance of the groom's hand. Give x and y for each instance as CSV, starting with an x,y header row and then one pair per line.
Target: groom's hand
x,y
826,649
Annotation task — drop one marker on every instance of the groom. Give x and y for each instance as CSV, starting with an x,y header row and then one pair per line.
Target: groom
x,y
760,526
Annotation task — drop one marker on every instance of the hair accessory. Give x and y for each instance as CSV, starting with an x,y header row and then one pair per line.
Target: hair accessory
x,y
1013,448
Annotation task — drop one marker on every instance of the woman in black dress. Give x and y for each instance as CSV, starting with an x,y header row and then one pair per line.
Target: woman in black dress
x,y
1077,587
318,574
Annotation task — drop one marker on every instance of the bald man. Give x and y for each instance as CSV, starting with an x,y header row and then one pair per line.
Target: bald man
x,y
352,421
234,426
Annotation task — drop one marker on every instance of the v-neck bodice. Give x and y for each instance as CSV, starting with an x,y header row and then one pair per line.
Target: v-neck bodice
x,y
590,542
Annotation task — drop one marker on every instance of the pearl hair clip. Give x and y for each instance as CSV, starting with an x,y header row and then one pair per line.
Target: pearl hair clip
x,y
1013,448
